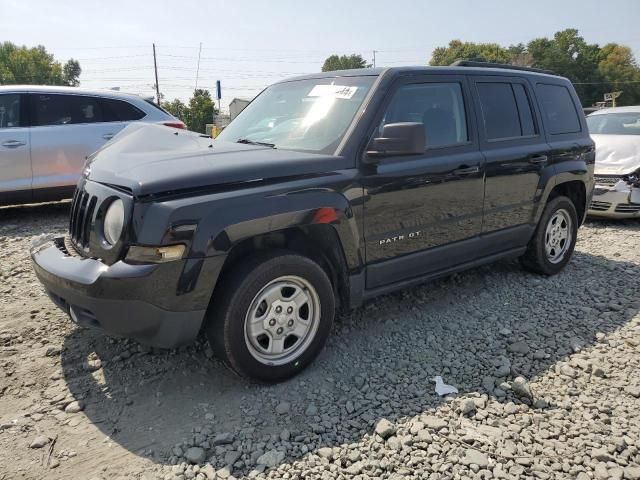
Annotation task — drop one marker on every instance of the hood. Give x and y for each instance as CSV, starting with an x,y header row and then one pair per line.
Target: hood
x,y
148,159
617,154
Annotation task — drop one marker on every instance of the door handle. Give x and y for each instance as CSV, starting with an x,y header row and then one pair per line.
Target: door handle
x,y
538,159
108,136
466,170
13,144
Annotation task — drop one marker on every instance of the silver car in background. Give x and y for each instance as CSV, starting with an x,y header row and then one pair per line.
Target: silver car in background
x,y
616,132
46,133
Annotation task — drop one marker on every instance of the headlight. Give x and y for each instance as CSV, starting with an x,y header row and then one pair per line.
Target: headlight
x,y
114,222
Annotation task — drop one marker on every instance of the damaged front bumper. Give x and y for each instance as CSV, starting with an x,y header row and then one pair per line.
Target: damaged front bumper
x,y
615,198
134,301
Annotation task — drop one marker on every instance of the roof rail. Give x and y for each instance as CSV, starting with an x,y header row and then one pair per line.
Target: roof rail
x,y
473,63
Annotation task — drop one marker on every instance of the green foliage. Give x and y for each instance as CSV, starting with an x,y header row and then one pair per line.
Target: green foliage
x,y
594,70
482,52
35,66
200,110
176,108
344,62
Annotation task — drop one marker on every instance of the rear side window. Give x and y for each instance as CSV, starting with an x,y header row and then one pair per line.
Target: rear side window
x,y
439,106
119,111
527,123
559,110
55,109
10,110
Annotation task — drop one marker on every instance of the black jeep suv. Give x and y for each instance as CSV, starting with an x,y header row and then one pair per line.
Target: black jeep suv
x,y
326,191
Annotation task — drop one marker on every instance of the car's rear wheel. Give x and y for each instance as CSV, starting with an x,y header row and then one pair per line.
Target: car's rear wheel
x,y
271,315
553,242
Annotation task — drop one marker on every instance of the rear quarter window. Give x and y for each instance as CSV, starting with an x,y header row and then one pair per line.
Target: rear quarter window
x,y
559,111
120,111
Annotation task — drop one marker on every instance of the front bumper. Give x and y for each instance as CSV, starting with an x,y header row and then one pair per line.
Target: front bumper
x,y
144,302
610,203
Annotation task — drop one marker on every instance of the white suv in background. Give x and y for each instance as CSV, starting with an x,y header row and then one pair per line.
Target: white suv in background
x,y
46,133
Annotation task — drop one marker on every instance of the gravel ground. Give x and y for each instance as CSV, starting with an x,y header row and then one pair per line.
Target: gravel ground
x,y
547,372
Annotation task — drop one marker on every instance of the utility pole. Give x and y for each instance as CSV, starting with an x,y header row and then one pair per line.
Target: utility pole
x,y
198,69
374,59
155,67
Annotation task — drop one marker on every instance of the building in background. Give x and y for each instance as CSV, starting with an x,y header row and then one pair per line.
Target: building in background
x,y
236,106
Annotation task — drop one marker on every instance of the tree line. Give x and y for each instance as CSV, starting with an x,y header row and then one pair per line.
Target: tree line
x,y
593,69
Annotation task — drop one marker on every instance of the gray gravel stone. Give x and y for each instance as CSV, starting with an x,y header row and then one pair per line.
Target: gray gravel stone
x,y
521,388
271,458
632,472
385,428
74,407
195,455
283,408
518,347
468,407
474,457
39,442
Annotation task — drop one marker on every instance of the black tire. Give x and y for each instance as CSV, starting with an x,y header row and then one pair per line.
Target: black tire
x,y
231,301
535,258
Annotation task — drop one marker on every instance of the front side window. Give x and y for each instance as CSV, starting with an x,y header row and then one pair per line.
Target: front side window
x,y
55,109
10,110
439,106
559,110
627,123
309,115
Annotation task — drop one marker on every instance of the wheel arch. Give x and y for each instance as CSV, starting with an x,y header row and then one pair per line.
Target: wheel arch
x,y
576,191
319,242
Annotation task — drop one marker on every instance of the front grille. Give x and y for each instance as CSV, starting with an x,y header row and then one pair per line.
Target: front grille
x,y
627,208
600,206
82,210
607,180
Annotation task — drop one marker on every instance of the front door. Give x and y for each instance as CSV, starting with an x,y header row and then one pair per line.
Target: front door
x,y
421,211
15,160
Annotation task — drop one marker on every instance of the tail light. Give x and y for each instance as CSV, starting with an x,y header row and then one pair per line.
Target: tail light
x,y
175,124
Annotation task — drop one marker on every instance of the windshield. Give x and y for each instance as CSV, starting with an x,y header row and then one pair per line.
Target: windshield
x,y
309,115
627,123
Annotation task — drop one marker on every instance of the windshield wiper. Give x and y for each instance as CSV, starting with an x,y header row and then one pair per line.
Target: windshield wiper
x,y
253,142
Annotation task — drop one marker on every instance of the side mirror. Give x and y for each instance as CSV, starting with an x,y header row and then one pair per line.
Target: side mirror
x,y
405,138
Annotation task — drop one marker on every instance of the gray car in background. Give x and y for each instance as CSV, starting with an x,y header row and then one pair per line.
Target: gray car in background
x,y
46,133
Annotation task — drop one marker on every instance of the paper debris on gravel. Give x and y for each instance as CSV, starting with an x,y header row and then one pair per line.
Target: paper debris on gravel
x,y
442,388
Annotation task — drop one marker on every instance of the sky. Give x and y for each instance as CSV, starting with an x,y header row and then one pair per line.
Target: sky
x,y
249,44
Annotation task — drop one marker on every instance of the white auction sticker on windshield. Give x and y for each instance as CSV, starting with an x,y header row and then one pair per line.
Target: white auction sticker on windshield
x,y
334,91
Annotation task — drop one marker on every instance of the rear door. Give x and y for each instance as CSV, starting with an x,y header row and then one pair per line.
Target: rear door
x,y
516,154
572,148
66,129
15,160
423,211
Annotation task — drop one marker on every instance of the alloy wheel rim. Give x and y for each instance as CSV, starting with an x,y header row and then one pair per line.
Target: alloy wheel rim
x,y
558,236
282,320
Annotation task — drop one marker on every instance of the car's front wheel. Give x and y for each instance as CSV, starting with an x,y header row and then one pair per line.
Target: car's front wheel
x,y
553,242
271,315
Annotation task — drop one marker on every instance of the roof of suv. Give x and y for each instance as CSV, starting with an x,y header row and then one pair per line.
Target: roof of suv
x,y
72,90
451,70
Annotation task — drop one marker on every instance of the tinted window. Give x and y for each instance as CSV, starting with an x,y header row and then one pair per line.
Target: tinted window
x,y
53,109
627,123
119,111
527,124
439,106
499,110
10,110
559,110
